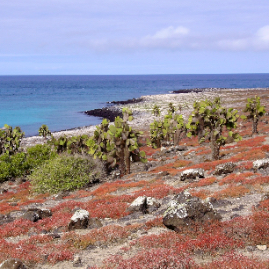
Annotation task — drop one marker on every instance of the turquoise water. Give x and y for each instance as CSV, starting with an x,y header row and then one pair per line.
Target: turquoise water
x,y
58,101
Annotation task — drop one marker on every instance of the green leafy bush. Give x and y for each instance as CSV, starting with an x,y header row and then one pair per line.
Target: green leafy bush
x,y
64,172
37,154
12,166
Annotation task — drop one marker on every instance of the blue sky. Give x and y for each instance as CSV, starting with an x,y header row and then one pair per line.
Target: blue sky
x,y
133,37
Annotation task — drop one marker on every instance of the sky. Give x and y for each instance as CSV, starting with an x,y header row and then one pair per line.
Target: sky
x,y
111,37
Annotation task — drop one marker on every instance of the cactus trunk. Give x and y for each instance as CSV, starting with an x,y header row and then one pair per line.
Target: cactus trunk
x,y
255,126
215,148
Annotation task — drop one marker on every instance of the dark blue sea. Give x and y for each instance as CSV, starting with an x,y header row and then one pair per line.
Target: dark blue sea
x,y
58,101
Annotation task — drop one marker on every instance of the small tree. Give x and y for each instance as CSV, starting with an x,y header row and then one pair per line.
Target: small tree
x,y
211,119
44,131
255,112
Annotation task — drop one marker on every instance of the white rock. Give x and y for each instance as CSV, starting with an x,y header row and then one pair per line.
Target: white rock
x,y
261,164
261,247
80,215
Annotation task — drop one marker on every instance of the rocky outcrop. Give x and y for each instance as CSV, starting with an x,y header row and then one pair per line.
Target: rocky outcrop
x,y
144,204
12,264
185,209
191,174
225,168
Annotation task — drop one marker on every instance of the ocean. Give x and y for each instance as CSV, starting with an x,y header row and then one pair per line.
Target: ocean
x,y
59,101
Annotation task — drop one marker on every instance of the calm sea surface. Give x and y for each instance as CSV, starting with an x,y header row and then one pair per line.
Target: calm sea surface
x,y
30,101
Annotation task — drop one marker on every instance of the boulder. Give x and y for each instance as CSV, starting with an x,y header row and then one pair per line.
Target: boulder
x,y
35,214
144,204
12,264
152,204
264,163
225,168
139,204
191,174
79,220
185,209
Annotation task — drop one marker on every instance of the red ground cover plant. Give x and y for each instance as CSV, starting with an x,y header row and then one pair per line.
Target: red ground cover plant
x,y
158,190
6,208
109,187
231,191
157,222
181,163
110,234
250,155
169,168
193,141
15,228
202,194
236,178
149,150
203,182
39,249
152,259
251,142
258,180
236,261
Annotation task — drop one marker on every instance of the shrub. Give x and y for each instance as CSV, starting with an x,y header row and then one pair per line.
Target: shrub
x,y
12,166
36,155
64,173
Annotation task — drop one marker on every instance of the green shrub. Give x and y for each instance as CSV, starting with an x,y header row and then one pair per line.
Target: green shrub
x,y
64,172
36,155
13,166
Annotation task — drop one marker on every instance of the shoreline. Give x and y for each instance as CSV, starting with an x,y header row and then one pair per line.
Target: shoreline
x,y
142,108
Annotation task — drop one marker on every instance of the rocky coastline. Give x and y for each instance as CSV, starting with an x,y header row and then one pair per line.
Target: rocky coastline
x,y
142,108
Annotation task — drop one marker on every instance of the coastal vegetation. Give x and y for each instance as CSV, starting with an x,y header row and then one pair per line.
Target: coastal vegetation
x,y
31,177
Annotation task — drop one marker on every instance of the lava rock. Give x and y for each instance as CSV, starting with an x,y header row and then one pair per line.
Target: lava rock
x,y
191,174
225,168
79,220
12,264
185,209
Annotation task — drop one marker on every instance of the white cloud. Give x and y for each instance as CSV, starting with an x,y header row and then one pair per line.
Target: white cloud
x,y
171,32
263,33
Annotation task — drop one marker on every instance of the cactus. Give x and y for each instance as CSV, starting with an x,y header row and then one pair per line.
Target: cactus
x,y
255,112
99,145
171,108
167,130
211,117
114,143
44,131
156,111
10,139
127,114
71,145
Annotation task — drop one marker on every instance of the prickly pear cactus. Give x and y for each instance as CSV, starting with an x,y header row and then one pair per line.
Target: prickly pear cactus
x,y
255,112
211,117
114,143
44,131
10,139
167,130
